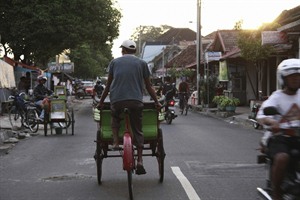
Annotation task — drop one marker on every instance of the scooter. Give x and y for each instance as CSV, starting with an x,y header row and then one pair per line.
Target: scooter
x,y
80,93
254,110
253,113
168,109
291,183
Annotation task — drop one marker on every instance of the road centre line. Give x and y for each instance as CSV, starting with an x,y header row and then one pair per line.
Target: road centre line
x,y
189,190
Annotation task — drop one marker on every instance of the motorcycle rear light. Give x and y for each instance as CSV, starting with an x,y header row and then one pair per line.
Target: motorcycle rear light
x,y
171,103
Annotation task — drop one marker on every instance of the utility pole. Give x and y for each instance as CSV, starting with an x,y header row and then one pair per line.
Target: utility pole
x,y
199,46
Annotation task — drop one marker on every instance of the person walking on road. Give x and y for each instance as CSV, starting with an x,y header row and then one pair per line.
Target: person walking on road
x,y
127,76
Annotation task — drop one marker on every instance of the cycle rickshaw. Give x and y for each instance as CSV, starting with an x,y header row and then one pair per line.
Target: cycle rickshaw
x,y
58,114
153,144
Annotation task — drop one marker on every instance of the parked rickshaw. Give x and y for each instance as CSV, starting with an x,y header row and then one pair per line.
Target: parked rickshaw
x,y
153,144
58,114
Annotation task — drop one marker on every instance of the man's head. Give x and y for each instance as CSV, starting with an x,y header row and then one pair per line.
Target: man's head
x,y
42,79
128,46
288,74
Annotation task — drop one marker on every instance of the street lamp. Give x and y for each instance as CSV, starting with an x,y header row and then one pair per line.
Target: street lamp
x,y
199,46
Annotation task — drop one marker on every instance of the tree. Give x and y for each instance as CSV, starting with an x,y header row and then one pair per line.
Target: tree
x,y
38,30
89,62
252,50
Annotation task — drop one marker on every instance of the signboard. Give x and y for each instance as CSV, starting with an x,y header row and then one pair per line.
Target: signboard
x,y
273,37
61,67
212,56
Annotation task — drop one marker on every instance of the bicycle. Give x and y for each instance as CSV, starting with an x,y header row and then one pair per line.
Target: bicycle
x,y
185,107
22,114
17,111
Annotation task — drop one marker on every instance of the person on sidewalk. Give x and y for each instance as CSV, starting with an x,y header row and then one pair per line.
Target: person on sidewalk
x,y
41,92
127,76
287,102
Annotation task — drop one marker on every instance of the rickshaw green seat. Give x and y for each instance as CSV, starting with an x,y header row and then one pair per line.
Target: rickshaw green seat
x,y
149,126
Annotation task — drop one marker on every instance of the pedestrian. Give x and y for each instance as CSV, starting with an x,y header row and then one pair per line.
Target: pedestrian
x,y
22,85
127,76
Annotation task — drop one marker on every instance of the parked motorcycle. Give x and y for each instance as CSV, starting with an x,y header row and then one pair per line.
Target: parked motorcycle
x,y
291,183
253,113
254,110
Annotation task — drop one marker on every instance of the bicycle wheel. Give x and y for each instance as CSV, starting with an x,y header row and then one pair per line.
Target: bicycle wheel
x,y
186,107
32,120
15,118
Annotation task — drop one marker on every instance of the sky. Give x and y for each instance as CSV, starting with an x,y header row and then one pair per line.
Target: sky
x,y
215,14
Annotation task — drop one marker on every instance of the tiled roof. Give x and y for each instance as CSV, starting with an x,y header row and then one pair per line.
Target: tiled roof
x,y
225,40
185,57
175,35
288,16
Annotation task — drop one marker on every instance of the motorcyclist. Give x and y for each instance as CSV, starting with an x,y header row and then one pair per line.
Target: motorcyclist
x,y
168,89
40,92
98,88
287,102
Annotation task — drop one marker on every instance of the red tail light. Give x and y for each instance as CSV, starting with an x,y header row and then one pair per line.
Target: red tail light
x,y
171,103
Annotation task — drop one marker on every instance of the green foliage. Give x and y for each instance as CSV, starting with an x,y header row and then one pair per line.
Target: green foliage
x,y
173,72
207,88
39,30
224,101
90,62
250,44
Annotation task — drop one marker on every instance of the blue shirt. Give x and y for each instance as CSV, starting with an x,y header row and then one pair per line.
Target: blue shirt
x,y
128,74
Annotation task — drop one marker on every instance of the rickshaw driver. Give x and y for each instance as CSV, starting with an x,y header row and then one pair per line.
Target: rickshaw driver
x,y
40,92
127,76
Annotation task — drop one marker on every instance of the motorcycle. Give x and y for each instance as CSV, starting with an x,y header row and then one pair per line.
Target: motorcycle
x,y
168,109
291,183
80,93
252,116
254,110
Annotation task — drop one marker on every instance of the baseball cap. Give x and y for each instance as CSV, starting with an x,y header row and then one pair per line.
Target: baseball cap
x,y
129,44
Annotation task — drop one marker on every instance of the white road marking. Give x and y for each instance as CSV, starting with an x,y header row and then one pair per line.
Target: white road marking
x,y
189,190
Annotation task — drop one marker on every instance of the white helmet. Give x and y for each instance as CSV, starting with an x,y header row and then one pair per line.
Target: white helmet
x,y
41,77
129,44
287,67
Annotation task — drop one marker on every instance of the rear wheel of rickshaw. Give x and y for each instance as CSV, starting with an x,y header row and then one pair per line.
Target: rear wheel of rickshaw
x,y
128,160
67,122
160,155
130,186
99,157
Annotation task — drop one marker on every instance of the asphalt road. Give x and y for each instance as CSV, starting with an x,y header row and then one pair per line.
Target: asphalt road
x,y
207,159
